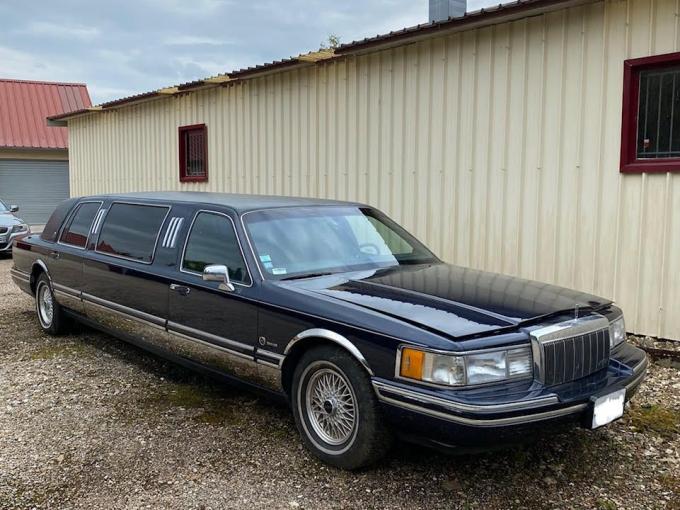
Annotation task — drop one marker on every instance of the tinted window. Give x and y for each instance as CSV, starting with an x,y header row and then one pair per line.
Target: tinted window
x,y
130,231
78,229
53,225
212,240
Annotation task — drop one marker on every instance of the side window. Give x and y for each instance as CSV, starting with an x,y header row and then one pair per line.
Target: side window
x,y
130,231
212,240
78,228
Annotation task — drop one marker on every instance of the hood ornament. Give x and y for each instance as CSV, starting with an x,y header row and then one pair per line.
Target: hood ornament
x,y
576,312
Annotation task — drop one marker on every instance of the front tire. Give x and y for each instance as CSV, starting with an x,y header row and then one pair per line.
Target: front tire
x,y
336,410
50,315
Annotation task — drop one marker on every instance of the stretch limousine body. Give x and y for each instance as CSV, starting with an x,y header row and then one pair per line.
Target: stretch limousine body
x,y
339,310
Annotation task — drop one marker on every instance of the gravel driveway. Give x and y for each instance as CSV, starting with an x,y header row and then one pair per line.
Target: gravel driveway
x,y
87,421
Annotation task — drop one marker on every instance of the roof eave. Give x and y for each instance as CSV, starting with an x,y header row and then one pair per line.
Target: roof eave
x,y
504,13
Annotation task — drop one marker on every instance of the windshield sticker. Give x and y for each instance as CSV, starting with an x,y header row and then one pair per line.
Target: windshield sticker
x,y
279,270
265,258
268,265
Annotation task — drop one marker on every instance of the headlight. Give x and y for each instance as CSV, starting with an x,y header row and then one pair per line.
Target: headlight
x,y
21,227
617,332
469,369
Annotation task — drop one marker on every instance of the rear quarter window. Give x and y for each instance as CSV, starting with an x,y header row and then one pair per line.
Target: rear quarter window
x,y
131,230
51,230
78,229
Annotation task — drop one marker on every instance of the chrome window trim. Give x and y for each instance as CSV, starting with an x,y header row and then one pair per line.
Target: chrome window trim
x,y
158,235
171,225
98,221
401,347
172,231
238,240
70,217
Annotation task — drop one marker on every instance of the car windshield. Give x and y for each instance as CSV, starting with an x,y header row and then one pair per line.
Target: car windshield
x,y
309,241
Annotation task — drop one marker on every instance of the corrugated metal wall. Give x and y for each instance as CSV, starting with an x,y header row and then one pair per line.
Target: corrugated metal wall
x,y
498,146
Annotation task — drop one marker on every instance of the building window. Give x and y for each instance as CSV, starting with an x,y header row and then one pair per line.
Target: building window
x,y
193,153
651,114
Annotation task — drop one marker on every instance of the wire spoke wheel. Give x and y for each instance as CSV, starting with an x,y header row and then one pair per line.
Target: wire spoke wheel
x,y
45,305
331,406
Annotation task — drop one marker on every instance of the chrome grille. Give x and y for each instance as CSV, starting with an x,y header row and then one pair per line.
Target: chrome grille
x,y
571,350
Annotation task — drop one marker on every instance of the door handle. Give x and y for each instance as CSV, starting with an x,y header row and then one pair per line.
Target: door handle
x,y
55,254
182,290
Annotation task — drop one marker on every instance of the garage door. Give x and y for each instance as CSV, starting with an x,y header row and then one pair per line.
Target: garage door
x,y
35,186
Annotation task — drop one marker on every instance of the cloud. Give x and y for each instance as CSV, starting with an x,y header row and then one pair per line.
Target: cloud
x,y
48,29
130,46
21,65
194,40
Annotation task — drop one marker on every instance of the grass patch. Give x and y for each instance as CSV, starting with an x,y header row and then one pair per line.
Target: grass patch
x,y
606,504
216,410
654,418
60,350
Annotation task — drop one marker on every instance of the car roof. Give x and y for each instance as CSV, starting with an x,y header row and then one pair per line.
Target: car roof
x,y
239,202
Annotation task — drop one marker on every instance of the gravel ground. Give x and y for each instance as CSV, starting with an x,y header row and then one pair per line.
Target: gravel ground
x,y
87,421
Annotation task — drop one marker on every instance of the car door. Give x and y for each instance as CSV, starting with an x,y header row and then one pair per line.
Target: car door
x,y
66,257
124,288
214,327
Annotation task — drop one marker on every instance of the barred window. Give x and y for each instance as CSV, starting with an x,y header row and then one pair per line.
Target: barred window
x,y
659,114
193,153
651,114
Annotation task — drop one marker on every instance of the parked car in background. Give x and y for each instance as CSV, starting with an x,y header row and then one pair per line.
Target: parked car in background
x,y
336,308
11,227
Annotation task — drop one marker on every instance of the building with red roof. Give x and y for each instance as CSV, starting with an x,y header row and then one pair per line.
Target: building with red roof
x,y
33,156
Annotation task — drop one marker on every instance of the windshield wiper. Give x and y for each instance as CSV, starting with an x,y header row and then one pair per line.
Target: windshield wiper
x,y
305,275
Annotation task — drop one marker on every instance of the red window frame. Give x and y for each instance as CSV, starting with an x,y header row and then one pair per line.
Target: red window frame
x,y
182,130
629,125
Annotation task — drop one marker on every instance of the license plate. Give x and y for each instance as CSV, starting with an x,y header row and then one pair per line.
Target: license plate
x,y
608,408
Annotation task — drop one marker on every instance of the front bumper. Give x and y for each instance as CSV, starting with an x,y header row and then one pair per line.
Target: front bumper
x,y
489,415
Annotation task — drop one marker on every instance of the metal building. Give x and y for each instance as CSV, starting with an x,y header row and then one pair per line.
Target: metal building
x,y
33,157
513,140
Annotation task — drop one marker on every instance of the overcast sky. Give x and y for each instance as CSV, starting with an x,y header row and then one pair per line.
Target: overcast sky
x,y
128,46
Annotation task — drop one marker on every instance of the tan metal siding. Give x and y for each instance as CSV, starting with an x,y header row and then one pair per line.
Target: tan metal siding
x,y
497,146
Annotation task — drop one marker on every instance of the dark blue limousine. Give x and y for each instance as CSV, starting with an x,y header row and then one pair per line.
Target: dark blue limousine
x,y
336,308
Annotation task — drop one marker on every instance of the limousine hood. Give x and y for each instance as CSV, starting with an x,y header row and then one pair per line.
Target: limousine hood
x,y
452,300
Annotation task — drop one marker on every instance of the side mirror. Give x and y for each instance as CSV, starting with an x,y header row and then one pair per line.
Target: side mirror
x,y
218,273
13,208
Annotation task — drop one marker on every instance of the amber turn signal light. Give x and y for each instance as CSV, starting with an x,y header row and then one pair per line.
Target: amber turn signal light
x,y
411,363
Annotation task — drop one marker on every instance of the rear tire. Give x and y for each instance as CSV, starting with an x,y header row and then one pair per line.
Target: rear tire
x,y
50,315
336,410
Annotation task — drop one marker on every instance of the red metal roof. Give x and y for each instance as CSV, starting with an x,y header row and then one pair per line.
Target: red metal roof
x,y
25,106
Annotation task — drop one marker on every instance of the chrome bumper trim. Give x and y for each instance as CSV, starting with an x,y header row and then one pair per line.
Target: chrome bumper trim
x,y
489,422
461,407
